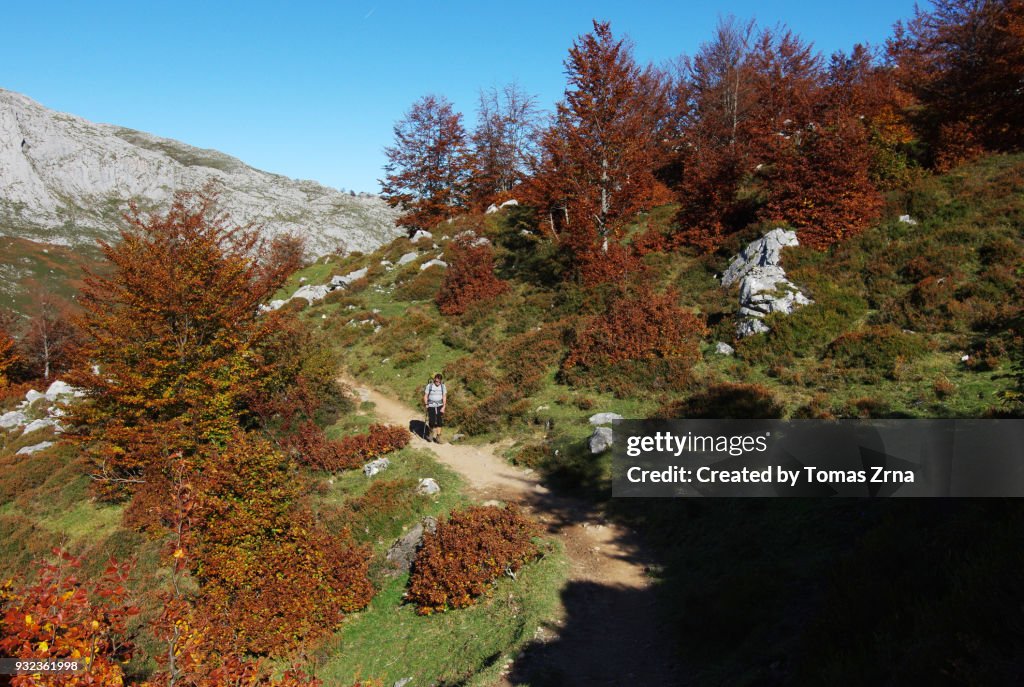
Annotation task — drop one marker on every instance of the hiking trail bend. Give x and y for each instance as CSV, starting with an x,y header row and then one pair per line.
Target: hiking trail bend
x,y
608,568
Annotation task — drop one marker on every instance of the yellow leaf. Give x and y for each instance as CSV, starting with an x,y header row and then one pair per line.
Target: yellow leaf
x,y
43,646
179,553
94,625
28,619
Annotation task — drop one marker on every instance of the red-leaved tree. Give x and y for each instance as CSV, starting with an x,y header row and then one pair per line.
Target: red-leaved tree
x,y
602,150
963,60
504,143
171,339
427,169
470,277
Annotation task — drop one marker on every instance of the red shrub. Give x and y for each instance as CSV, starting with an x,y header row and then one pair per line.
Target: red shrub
x,y
641,326
270,576
470,278
354,451
314,449
466,554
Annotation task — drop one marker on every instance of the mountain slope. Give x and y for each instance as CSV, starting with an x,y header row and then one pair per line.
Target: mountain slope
x,y
65,180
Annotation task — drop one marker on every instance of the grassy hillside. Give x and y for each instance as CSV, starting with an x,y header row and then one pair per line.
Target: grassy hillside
x,y
28,266
895,312
910,319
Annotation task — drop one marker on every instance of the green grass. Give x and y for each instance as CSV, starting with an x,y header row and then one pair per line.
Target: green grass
x,y
464,647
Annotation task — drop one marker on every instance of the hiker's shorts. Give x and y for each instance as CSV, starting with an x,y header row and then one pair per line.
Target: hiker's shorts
x,y
435,418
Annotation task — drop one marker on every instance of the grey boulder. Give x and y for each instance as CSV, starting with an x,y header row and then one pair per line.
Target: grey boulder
x,y
601,440
376,466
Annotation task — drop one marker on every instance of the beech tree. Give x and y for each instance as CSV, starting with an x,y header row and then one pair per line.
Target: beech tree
x,y
428,167
49,336
964,62
714,137
8,357
600,154
171,338
504,142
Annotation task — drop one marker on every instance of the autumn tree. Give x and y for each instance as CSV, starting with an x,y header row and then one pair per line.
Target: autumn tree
x,y
287,253
600,154
428,166
713,132
171,338
49,337
470,277
963,60
813,149
861,86
504,142
8,357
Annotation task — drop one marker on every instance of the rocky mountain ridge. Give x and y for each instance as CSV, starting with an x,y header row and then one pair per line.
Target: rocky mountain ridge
x,y
65,180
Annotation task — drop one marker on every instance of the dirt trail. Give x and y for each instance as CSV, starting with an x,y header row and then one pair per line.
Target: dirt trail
x,y
609,633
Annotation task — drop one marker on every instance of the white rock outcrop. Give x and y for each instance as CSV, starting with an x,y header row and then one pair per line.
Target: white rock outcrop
x,y
764,288
65,180
407,258
347,279
13,419
604,418
29,450
421,235
58,389
41,423
376,466
431,263
428,486
722,348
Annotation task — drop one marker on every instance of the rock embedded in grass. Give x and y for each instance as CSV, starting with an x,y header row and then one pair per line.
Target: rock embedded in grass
x,y
601,440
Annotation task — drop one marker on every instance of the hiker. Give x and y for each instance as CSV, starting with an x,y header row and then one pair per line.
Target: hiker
x,y
435,398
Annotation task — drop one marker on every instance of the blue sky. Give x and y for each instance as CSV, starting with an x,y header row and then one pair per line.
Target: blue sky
x,y
312,89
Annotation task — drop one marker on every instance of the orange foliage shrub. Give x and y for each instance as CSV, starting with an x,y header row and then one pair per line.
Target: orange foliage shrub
x,y
641,326
270,577
353,451
62,618
470,278
465,555
312,447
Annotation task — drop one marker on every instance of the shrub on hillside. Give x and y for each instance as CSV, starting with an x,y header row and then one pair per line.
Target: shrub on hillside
x,y
876,348
312,447
270,577
476,546
726,401
472,374
527,356
804,332
357,449
641,326
470,277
